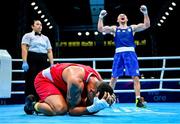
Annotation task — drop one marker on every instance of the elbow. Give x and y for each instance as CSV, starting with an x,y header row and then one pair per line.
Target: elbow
x,y
73,113
147,25
100,29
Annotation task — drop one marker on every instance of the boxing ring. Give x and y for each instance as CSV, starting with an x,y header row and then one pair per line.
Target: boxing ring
x,y
156,113
163,99
93,63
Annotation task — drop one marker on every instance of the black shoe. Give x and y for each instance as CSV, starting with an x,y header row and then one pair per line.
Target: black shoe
x,y
29,105
140,102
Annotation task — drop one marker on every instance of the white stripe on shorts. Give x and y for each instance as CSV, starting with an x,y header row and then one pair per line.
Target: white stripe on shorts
x,y
46,73
124,49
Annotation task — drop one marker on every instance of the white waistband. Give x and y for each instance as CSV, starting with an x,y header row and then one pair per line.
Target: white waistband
x,y
124,49
88,77
46,73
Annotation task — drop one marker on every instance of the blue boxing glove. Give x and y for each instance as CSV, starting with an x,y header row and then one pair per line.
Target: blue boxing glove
x,y
97,105
25,66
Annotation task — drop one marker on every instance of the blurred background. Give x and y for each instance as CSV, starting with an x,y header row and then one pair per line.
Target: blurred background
x,y
71,26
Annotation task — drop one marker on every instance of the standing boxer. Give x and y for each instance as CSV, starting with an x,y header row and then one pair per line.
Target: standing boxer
x,y
125,56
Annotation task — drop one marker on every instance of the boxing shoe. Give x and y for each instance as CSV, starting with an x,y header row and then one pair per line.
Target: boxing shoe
x,y
140,102
29,104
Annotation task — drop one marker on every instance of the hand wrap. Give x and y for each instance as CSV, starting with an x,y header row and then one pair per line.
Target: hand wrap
x,y
102,14
143,9
97,105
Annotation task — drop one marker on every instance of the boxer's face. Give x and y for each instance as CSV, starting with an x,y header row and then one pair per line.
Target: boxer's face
x,y
91,89
91,93
122,18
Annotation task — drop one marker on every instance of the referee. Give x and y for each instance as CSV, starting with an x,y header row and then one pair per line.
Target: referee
x,y
35,50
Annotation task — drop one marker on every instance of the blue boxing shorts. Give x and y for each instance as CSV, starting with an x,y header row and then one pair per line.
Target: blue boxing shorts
x,y
125,63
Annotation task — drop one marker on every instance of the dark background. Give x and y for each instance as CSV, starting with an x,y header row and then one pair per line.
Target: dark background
x,y
70,16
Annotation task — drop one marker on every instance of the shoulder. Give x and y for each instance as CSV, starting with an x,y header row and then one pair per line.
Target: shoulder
x,y
29,34
45,37
114,27
133,27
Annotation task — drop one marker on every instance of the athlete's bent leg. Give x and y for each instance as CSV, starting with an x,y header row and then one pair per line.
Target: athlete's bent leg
x,y
52,105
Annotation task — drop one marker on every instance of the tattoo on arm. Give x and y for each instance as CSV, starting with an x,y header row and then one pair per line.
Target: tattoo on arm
x,y
73,95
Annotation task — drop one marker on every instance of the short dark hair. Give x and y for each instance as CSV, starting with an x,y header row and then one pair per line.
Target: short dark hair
x,y
33,21
104,87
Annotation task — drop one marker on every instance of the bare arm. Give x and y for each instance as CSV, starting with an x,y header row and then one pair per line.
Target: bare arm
x,y
98,104
105,29
73,94
74,97
24,51
77,111
74,77
146,24
142,26
100,25
50,56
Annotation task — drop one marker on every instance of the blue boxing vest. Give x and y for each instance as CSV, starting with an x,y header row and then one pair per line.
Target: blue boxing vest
x,y
124,37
